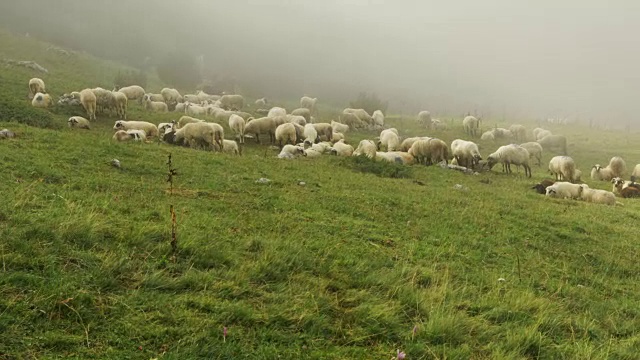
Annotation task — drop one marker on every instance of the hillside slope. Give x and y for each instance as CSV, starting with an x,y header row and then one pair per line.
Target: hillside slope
x,y
363,259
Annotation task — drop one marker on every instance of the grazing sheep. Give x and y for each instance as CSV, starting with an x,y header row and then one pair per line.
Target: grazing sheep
x,y
261,126
429,151
203,96
121,102
184,120
389,139
471,126
341,149
291,151
154,106
192,98
367,148
408,142
519,132
36,85
539,133
78,122
286,134
510,154
339,127
41,100
133,92
210,134
150,129
534,149
353,121
597,196
296,119
362,114
557,142
488,135
105,100
232,102
565,190
616,168
309,103
502,133
466,153
310,134
636,171
261,102
424,117
237,125
378,119
541,187
438,125
304,112
195,110
277,111
325,131
230,147
563,168
89,103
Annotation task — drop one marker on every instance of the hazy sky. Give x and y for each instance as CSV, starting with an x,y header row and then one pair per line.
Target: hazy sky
x,y
528,58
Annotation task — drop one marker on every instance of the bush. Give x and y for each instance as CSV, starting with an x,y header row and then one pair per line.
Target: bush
x,y
379,168
130,78
369,102
15,110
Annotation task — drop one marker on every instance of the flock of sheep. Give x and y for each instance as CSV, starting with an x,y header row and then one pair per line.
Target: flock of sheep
x,y
298,134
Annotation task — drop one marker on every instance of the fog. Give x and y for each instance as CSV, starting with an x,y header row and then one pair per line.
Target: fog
x,y
518,59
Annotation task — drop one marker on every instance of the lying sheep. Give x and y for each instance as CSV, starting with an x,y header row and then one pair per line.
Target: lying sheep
x,y
277,111
398,157
389,139
285,134
261,126
518,131
616,168
137,135
291,151
336,136
89,103
78,122
551,142
164,127
597,196
339,127
155,106
341,149
471,126
508,155
619,185
121,135
304,112
466,153
150,129
565,190
563,168
209,134
232,102
367,148
541,187
41,100
535,150
325,131
237,125
36,85
133,92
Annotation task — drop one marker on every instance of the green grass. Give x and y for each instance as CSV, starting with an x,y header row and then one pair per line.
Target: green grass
x,y
341,268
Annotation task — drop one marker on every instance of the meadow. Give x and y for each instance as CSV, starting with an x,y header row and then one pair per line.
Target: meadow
x,y
360,261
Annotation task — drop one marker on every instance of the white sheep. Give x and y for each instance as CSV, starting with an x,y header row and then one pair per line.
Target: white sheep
x,y
339,127
565,190
341,149
192,98
36,85
378,119
362,114
237,125
616,168
309,103
304,112
636,172
165,127
170,96
563,168
121,135
184,120
488,135
551,142
539,133
367,148
150,129
465,152
180,108
510,154
261,126
285,134
155,106
133,92
121,102
105,100
277,111
518,131
203,96
41,100
137,135
471,125
325,131
232,102
262,102
398,157
352,120
291,151
209,134
310,134
424,117
389,139
78,122
429,151
408,142
336,136
153,97
534,149
597,196
297,119
195,110
89,103
230,147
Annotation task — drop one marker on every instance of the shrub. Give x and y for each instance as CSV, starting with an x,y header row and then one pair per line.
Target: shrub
x,y
15,110
379,168
369,102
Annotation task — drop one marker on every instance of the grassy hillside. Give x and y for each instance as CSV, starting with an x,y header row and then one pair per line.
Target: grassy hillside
x,y
353,264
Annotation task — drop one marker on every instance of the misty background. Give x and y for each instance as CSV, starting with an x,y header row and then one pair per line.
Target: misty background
x,y
514,59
